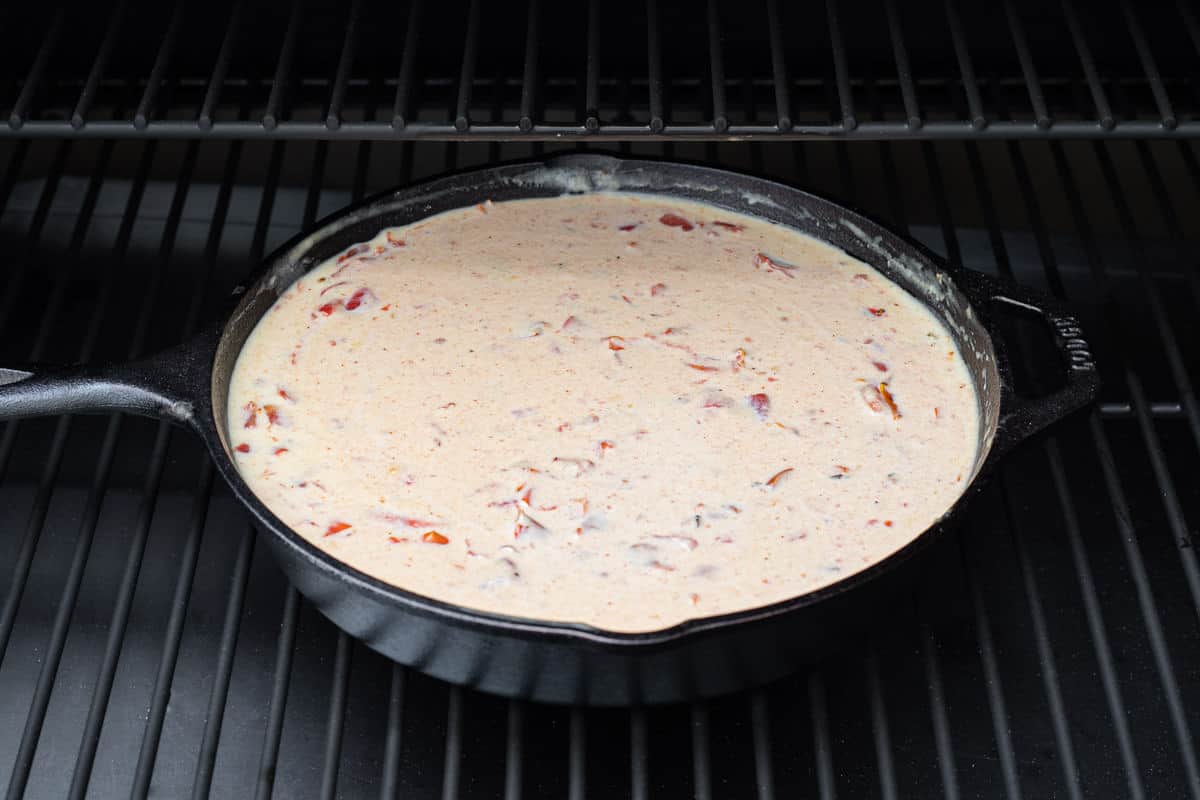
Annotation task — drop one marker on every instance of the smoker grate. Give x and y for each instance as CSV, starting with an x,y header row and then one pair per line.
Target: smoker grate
x,y
148,644
613,70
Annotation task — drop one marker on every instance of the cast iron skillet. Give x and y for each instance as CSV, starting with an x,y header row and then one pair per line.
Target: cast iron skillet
x,y
566,662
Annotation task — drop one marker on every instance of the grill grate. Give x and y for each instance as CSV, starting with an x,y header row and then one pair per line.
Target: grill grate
x,y
147,644
615,70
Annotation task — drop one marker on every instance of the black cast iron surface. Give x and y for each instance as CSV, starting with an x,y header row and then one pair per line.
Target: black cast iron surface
x,y
149,644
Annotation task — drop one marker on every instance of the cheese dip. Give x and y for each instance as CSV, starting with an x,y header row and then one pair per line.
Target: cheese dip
x,y
610,409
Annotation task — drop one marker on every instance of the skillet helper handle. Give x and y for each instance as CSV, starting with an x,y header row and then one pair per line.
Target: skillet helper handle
x,y
1022,417
168,385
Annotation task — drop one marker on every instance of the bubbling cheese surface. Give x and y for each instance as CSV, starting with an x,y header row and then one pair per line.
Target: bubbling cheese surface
x,y
616,410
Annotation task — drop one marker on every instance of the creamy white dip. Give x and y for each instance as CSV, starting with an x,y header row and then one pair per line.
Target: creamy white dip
x,y
604,409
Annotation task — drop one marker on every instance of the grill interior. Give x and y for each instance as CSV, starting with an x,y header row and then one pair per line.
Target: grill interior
x,y
148,644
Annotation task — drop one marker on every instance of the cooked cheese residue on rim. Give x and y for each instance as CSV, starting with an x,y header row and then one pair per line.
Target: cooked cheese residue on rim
x,y
605,409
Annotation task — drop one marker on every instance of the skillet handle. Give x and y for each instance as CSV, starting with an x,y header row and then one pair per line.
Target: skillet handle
x,y
1022,417
170,385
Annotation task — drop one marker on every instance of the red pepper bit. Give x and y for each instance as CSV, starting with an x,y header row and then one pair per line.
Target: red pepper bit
x,y
272,415
627,227
393,241
729,226
357,298
841,469
616,343
761,404
336,527
879,365
397,539
661,566
773,481
605,445
329,308
251,410
283,393
243,448
695,597
877,312
701,367
349,254
526,498
569,323
657,289
891,401
675,221
887,522
280,450
739,359
433,537
937,412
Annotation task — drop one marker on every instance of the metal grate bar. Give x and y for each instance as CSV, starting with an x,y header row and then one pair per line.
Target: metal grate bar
x,y
966,68
529,74
908,89
941,721
16,117
1037,100
879,727
654,84
335,726
1189,22
279,691
514,750
716,59
783,103
577,756
283,70
822,741
337,97
894,130
408,62
639,768
462,114
220,68
453,763
701,753
591,115
1149,66
145,109
1099,98
389,787
1170,217
79,115
841,70
760,726
215,717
